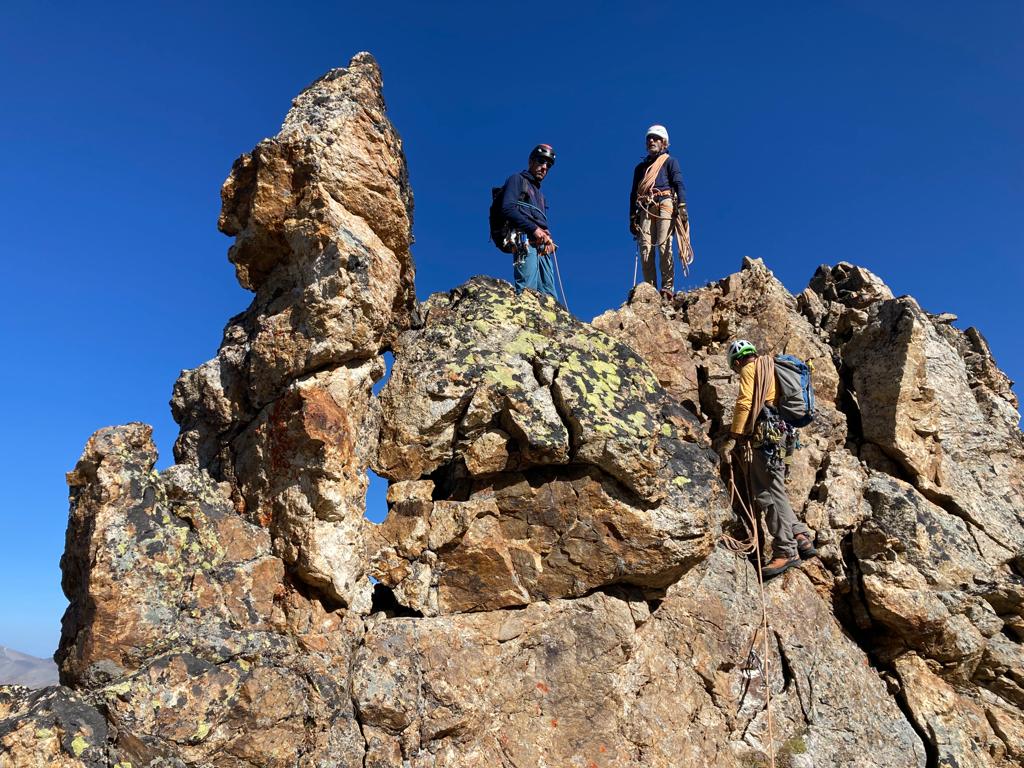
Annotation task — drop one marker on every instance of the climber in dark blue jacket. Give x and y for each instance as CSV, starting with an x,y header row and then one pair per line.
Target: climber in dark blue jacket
x,y
524,206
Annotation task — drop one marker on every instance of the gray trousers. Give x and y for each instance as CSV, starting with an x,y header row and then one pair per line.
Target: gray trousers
x,y
769,482
656,233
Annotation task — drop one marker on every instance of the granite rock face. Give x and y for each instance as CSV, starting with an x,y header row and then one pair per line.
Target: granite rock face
x,y
911,477
321,216
185,630
550,586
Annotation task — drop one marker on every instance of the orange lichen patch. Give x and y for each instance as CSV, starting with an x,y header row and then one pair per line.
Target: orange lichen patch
x,y
554,722
328,422
542,688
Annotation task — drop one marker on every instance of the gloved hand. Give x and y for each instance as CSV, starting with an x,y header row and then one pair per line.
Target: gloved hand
x,y
634,228
725,449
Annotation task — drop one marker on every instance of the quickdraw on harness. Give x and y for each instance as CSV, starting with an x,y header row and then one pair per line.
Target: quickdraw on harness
x,y
775,437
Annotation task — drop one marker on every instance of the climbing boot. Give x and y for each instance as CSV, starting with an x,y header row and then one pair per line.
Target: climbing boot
x,y
779,565
805,546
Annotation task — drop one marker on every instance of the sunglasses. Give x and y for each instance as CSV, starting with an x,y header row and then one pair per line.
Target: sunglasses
x,y
544,161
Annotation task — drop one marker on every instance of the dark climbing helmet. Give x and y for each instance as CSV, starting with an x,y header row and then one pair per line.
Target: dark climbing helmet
x,y
543,152
740,349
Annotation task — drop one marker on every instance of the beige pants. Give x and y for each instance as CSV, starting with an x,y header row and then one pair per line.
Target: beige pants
x,y
657,233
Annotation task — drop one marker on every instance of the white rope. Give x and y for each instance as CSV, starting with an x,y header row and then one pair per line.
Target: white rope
x,y
558,273
636,262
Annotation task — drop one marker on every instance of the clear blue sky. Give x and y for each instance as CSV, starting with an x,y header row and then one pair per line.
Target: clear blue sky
x,y
887,134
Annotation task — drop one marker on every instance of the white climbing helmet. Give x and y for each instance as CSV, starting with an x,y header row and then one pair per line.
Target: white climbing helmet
x,y
657,130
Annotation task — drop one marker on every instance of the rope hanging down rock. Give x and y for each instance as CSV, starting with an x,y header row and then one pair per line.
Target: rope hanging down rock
x,y
752,546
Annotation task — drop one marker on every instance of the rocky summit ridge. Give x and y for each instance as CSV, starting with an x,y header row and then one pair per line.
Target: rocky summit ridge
x,y
549,587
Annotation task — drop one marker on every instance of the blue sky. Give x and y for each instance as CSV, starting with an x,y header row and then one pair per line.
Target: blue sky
x,y
887,134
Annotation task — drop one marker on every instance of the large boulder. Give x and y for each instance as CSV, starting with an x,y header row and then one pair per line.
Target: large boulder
x,y
558,463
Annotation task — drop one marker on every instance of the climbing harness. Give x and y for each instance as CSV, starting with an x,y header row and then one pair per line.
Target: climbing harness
x,y
752,546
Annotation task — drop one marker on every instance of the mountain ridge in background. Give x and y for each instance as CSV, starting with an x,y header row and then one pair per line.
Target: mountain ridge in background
x,y
18,668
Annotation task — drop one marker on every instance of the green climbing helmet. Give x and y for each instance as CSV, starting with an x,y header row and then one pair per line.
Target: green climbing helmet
x,y
740,349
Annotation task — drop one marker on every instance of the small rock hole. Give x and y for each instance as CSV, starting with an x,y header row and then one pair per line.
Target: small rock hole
x,y
389,362
376,498
384,601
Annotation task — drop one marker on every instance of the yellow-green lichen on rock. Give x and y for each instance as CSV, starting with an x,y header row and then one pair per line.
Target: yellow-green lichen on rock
x,y
79,745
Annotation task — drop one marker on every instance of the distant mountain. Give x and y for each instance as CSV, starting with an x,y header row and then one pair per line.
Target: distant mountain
x,y
22,669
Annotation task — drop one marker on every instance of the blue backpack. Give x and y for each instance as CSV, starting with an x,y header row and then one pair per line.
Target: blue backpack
x,y
794,390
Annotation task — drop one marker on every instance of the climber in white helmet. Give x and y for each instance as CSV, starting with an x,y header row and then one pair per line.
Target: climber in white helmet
x,y
656,198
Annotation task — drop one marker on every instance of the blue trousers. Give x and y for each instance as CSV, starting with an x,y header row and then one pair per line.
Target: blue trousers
x,y
533,271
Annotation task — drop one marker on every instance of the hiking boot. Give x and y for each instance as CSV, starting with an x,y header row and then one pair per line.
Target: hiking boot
x,y
667,293
779,565
805,546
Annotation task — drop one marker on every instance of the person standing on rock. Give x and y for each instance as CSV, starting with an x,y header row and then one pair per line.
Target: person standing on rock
x,y
657,206
756,423
525,209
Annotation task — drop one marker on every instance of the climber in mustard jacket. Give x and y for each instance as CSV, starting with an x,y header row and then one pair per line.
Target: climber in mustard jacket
x,y
756,420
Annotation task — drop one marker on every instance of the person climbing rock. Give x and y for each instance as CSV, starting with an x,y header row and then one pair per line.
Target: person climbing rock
x,y
756,423
524,207
657,201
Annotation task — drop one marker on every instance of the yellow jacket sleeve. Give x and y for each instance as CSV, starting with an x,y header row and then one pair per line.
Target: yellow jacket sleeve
x,y
743,404
741,412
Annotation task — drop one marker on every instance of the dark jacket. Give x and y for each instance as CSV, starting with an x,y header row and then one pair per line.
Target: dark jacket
x,y
669,177
523,188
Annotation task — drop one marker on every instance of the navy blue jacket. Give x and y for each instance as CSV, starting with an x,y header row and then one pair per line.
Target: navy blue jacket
x,y
669,177
525,218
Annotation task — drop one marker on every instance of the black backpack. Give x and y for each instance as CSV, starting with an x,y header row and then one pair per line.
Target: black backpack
x,y
501,228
